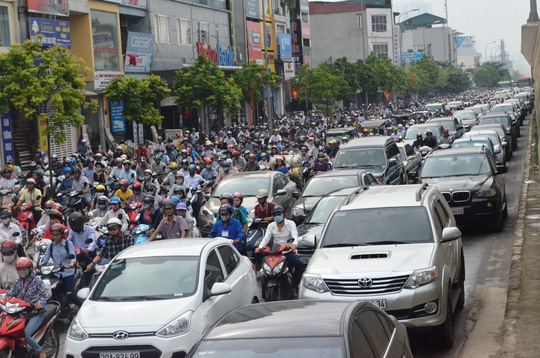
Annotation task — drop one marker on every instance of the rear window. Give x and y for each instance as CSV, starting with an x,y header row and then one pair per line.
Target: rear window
x,y
360,157
323,186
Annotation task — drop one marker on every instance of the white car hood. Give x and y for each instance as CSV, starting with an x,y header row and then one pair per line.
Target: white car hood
x,y
401,258
142,316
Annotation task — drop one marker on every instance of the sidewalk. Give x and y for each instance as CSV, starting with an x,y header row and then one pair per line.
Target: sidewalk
x,y
521,326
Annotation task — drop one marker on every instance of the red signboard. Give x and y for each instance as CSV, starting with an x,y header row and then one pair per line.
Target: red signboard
x,y
254,42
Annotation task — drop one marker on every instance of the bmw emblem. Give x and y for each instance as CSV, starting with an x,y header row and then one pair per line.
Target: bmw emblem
x,y
365,282
120,335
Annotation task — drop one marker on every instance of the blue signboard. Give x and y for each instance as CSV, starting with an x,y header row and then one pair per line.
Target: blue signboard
x,y
285,47
140,47
411,56
7,138
53,31
118,124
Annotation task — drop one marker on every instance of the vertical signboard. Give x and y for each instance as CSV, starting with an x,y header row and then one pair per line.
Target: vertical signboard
x,y
285,47
396,56
297,44
253,10
139,51
118,124
7,138
43,137
254,42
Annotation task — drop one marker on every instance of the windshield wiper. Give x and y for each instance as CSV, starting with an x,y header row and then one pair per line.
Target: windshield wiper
x,y
341,245
140,298
110,299
387,242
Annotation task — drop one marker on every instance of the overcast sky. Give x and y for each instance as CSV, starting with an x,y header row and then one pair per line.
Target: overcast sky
x,y
486,20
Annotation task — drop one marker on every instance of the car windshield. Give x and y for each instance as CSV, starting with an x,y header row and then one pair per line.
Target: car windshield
x,y
312,347
477,110
412,132
433,107
456,165
247,186
449,124
495,120
466,115
325,185
323,209
500,130
148,278
368,157
475,143
378,226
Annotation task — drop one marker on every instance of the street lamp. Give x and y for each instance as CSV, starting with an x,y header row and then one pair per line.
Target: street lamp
x,y
485,50
424,33
406,12
491,54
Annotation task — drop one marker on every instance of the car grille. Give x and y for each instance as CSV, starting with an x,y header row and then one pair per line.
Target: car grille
x,y
457,196
378,285
145,351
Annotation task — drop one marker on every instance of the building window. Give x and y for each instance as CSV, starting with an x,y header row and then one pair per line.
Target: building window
x,y
380,50
204,33
378,23
161,28
359,21
304,17
217,34
105,41
184,32
5,39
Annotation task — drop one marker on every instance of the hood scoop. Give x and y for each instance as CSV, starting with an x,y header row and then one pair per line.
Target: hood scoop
x,y
381,255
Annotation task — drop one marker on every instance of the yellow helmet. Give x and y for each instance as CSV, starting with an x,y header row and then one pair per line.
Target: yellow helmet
x,y
173,166
100,187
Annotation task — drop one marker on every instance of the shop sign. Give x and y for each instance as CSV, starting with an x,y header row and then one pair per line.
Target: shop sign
x,y
222,56
288,69
103,78
140,4
140,48
53,31
55,7
254,42
43,137
252,9
118,124
7,138
396,60
285,47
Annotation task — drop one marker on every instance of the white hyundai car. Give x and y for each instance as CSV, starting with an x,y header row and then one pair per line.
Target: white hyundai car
x,y
155,300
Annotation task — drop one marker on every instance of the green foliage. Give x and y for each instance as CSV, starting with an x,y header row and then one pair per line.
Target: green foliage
x,y
140,97
430,75
348,74
489,74
204,84
251,79
33,77
317,84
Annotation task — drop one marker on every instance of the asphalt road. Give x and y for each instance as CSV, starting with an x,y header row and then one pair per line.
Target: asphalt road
x,y
478,326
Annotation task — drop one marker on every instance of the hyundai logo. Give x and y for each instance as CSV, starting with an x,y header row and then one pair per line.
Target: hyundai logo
x,y
365,282
120,335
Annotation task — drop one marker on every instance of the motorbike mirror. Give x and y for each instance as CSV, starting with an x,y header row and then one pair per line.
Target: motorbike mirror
x,y
70,257
120,216
88,241
290,241
16,234
296,195
38,197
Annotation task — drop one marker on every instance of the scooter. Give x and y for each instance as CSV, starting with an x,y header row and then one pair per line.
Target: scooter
x,y
132,211
25,216
74,202
12,324
139,234
6,197
277,278
255,234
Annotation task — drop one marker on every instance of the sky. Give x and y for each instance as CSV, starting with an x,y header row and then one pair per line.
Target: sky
x,y
486,20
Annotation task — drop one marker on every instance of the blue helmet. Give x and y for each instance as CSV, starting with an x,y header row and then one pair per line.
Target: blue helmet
x,y
66,170
114,200
175,200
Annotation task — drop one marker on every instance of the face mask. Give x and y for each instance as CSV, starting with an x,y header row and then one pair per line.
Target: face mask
x,y
179,180
226,170
182,213
10,259
225,217
209,167
23,274
191,174
278,219
5,222
147,177
148,205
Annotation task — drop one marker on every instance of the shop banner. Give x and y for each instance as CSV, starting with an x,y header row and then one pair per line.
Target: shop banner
x,y
140,4
254,42
303,5
288,69
465,46
118,124
7,138
140,48
252,9
396,58
410,57
54,32
103,78
55,7
285,47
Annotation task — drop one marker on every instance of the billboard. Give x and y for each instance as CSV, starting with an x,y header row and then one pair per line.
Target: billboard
x,y
57,7
139,51
254,42
285,47
465,46
410,57
54,32
7,138
118,124
252,9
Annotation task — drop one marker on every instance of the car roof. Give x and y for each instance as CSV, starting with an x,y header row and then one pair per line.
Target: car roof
x,y
480,131
172,247
262,174
457,151
493,114
472,138
372,141
340,172
283,319
383,196
342,192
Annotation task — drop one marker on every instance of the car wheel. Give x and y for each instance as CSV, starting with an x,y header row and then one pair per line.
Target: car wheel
x,y
497,223
514,144
461,283
505,210
443,335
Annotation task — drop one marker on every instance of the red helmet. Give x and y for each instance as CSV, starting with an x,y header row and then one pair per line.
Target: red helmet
x,y
24,262
57,214
123,182
207,161
137,186
252,156
445,131
238,195
8,245
58,207
57,227
49,202
235,152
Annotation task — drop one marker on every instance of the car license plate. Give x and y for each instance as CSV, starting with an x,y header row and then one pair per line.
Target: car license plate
x,y
378,303
458,211
120,354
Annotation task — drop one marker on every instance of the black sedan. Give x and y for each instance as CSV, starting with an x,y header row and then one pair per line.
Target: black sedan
x,y
305,329
470,181
324,183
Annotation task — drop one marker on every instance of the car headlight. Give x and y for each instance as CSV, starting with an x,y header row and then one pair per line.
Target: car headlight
x,y
421,277
489,193
298,211
267,269
314,283
177,327
76,331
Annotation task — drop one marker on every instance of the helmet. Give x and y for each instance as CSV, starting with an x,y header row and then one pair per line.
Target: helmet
x,y
55,214
208,162
226,164
76,222
49,204
8,246
225,209
173,165
226,196
57,228
238,195
30,181
8,169
150,187
24,262
191,168
123,182
175,200
148,171
428,132
66,171
178,188
58,207
136,187
114,200
179,174
148,199
102,202
445,131
167,204
252,156
113,222
235,152
126,162
100,187
262,193
418,135
76,170
181,206
278,209
185,162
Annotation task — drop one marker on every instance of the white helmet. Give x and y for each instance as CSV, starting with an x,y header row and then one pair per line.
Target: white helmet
x,y
114,222
262,193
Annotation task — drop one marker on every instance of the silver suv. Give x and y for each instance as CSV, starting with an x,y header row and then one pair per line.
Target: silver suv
x,y
397,247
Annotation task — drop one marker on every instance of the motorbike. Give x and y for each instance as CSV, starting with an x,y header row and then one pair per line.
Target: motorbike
x,y
25,216
13,322
73,201
139,233
277,277
6,196
255,234
132,211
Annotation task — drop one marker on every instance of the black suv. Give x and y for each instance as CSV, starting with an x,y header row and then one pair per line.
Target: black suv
x,y
504,119
380,155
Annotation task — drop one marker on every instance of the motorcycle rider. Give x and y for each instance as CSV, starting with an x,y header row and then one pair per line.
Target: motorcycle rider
x,y
280,166
118,241
10,228
100,176
264,164
8,272
67,183
149,180
209,173
182,211
228,227
445,138
226,172
149,213
238,161
58,250
430,140
117,169
194,179
32,196
100,209
124,193
419,142
282,230
31,289
321,165
115,212
170,179
128,173
78,235
89,170
171,225
45,220
82,185
251,165
8,182
138,195
56,217
263,210
238,199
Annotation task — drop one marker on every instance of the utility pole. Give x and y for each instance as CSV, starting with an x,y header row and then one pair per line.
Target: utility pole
x,y
446,11
266,87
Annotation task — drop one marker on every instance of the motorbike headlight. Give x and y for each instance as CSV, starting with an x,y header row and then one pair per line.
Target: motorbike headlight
x,y
314,283
76,331
267,269
279,266
421,277
46,270
177,327
489,193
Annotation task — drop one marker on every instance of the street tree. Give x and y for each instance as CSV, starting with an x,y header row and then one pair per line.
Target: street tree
x,y
430,75
251,79
317,84
348,75
205,86
486,76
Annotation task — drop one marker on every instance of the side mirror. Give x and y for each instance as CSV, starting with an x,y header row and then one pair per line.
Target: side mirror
x,y
16,234
83,293
281,192
309,241
501,169
70,257
38,197
392,162
219,288
296,195
88,241
120,216
450,234
497,151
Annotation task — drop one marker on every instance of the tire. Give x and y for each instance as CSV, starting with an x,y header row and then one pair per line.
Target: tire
x,y
443,336
51,343
6,353
461,284
497,224
272,294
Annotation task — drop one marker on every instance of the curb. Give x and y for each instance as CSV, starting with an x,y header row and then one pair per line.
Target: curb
x,y
512,311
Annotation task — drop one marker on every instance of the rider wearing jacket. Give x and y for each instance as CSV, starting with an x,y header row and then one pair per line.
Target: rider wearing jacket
x,y
115,212
8,271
